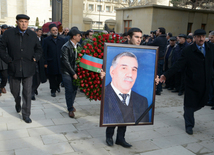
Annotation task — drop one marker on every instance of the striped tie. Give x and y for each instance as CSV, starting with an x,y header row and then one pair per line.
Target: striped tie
x,y
124,96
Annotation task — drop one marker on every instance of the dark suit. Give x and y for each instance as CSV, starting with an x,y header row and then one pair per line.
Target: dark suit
x,y
112,111
198,72
52,51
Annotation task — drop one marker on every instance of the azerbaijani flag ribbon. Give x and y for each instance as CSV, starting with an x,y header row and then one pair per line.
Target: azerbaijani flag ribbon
x,y
91,63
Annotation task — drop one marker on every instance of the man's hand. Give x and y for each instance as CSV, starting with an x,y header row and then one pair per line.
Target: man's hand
x,y
75,76
45,66
102,74
163,79
157,80
34,59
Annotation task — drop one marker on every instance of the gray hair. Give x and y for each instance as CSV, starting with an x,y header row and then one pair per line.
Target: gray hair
x,y
212,33
117,57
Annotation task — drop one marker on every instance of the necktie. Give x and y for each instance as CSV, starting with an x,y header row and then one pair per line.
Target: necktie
x,y
124,96
202,51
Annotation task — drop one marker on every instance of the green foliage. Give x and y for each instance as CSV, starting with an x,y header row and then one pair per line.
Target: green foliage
x,y
37,22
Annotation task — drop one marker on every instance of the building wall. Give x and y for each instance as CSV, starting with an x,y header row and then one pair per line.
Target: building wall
x,y
174,20
33,8
99,17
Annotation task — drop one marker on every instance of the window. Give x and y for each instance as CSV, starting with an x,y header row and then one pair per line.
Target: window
x,y
189,28
115,9
50,2
108,8
203,26
98,0
124,1
91,7
99,23
127,25
99,7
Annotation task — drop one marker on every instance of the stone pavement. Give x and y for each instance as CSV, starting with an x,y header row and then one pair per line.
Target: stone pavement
x,y
53,132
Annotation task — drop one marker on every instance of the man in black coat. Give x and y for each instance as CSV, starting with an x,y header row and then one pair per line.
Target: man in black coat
x,y
121,104
198,61
161,42
39,76
179,76
3,67
24,50
52,50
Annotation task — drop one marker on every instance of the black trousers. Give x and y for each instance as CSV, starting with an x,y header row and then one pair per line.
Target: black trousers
x,y
54,81
26,93
36,83
189,116
120,132
4,77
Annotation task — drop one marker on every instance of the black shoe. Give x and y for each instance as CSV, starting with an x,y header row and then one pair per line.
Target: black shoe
x,y
33,98
170,88
53,94
18,104
58,90
36,92
189,131
27,119
158,93
175,91
209,104
180,93
212,108
109,141
165,87
123,143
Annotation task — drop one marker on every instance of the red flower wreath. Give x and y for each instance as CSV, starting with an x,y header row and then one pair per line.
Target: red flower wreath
x,y
90,82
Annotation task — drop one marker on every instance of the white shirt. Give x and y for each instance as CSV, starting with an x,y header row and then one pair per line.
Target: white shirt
x,y
120,97
75,46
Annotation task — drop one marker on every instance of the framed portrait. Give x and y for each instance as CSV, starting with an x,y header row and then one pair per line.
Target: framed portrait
x,y
128,88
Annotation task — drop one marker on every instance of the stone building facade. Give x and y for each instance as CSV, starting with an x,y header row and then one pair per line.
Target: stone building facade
x,y
33,8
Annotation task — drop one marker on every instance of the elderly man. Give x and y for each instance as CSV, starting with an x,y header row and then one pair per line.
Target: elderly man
x,y
24,50
52,50
122,105
198,61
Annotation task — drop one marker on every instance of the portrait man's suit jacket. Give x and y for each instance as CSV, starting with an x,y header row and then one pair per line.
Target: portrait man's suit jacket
x,y
112,112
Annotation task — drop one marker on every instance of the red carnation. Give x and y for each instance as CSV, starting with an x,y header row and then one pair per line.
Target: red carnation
x,y
99,45
118,41
112,41
87,52
121,37
91,97
86,85
99,36
83,51
81,81
90,83
83,72
95,43
95,91
89,77
87,74
87,93
95,47
82,85
95,54
87,44
100,56
80,76
103,39
100,86
88,89
99,41
108,41
90,46
99,51
92,50
92,86
84,90
85,47
94,39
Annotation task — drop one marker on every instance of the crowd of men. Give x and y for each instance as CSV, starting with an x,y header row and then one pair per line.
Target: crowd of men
x,y
27,57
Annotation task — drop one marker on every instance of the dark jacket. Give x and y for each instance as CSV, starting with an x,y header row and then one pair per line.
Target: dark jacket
x,y
68,59
177,52
21,51
3,65
168,64
161,42
112,113
52,51
198,74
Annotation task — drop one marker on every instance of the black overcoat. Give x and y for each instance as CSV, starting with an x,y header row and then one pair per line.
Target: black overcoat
x,y
198,71
52,51
21,51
